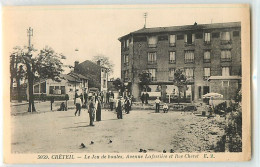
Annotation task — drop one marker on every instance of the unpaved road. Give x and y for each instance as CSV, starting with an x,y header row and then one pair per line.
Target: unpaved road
x,y
53,132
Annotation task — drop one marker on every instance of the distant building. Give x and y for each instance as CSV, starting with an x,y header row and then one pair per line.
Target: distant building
x,y
68,84
209,55
97,75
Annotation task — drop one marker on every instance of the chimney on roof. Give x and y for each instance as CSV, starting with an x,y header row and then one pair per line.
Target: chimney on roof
x,y
98,62
76,63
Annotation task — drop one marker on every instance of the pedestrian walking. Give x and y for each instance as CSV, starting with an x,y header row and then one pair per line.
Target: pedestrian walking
x,y
78,106
131,102
146,98
91,110
111,103
143,98
107,97
81,98
98,111
86,98
112,95
127,105
52,101
76,95
101,94
119,109
157,105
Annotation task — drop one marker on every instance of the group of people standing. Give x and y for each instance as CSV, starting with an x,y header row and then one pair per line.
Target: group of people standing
x,y
123,104
94,108
95,104
144,98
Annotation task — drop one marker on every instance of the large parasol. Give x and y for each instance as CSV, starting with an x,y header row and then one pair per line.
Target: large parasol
x,y
212,96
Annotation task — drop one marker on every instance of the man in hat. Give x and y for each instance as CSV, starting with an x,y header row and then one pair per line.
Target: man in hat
x,y
78,104
143,98
127,105
91,111
111,103
119,108
157,105
146,98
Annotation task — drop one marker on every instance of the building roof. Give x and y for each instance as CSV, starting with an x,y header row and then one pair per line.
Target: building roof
x,y
184,28
69,78
224,78
73,74
91,71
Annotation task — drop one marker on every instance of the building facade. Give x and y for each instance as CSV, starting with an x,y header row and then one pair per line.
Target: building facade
x,y
97,74
201,51
68,84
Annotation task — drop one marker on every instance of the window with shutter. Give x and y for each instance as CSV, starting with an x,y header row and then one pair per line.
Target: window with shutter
x,y
172,40
172,57
189,56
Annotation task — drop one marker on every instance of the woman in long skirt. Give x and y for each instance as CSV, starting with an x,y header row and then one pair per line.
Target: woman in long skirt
x,y
98,112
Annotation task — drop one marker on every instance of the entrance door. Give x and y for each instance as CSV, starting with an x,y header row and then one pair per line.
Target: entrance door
x,y
205,90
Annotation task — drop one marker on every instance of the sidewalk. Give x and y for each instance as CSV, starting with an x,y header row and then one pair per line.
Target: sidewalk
x,y
16,103
21,108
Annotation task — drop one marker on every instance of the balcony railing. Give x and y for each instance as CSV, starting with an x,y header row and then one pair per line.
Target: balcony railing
x,y
225,59
152,45
207,42
172,44
206,60
189,60
152,62
172,61
189,44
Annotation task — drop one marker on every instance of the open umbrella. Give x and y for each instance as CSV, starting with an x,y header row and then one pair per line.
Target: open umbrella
x,y
212,96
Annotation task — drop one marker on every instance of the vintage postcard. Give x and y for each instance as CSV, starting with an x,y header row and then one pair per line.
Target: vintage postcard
x,y
126,83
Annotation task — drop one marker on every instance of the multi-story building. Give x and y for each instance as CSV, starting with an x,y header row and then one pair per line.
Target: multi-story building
x,y
96,73
208,54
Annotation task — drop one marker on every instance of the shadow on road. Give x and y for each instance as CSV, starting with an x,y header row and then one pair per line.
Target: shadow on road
x,y
78,127
67,116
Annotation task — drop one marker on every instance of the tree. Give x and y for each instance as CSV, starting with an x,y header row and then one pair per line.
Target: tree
x,y
104,61
180,81
45,65
17,72
145,79
119,85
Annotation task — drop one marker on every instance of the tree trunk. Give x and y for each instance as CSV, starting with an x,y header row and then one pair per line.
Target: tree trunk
x,y
179,95
11,88
18,90
18,78
31,107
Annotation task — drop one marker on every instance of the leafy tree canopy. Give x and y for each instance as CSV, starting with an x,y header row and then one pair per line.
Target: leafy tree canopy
x,y
104,61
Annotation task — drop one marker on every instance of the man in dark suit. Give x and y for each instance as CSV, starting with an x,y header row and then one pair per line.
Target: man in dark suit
x,y
91,111
146,98
119,109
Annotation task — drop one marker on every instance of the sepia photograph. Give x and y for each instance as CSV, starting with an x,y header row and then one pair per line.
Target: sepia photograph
x,y
120,83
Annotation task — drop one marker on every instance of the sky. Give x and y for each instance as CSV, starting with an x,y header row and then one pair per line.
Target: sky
x,y
95,30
